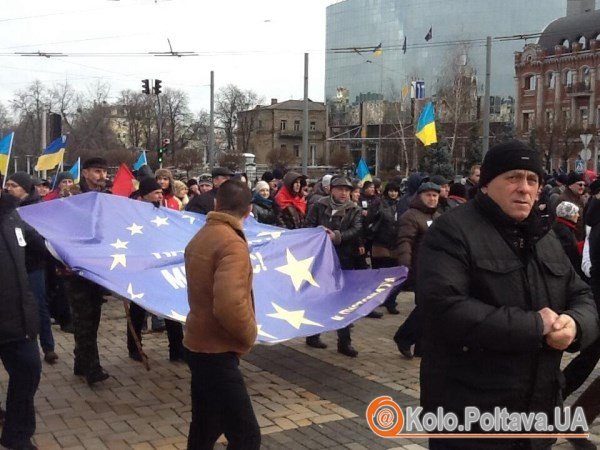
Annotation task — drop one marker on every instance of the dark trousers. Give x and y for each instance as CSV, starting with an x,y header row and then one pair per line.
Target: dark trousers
x,y
174,331
580,368
589,401
379,263
86,302
58,300
343,336
37,283
409,332
21,360
220,403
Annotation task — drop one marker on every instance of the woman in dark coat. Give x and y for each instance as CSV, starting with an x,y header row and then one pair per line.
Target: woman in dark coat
x,y
263,208
384,228
567,215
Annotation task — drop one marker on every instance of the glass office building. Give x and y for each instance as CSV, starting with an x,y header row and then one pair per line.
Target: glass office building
x,y
363,23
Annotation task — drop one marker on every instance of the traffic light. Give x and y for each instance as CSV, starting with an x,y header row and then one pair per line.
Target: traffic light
x,y
146,86
160,155
157,86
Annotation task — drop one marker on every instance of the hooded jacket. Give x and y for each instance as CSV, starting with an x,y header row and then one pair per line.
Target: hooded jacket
x,y
412,185
292,208
19,316
482,278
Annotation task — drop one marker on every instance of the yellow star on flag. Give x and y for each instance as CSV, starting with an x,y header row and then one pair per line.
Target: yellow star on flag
x,y
298,270
264,333
135,229
294,318
118,259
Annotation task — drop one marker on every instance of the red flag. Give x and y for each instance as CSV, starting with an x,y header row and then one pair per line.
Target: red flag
x,y
123,183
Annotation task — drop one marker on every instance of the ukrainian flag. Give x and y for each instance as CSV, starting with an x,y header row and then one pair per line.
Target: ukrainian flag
x,y
5,148
141,161
52,155
362,171
426,132
76,171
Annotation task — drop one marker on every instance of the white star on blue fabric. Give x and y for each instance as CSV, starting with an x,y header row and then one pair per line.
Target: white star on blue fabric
x,y
294,318
119,258
135,229
192,219
132,295
119,244
159,221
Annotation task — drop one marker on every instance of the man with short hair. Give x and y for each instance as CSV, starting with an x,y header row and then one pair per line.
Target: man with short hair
x,y
472,181
205,203
500,303
86,297
342,221
221,324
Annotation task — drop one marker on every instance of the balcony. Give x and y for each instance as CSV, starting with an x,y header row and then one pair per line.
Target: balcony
x,y
292,134
581,89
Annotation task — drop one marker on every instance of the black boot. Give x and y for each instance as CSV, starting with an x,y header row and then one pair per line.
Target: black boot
x,y
375,315
315,342
96,375
582,444
348,350
392,309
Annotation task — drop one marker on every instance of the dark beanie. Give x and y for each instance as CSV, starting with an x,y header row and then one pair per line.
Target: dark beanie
x,y
148,185
574,178
511,155
23,179
277,174
96,162
595,186
64,176
267,176
191,182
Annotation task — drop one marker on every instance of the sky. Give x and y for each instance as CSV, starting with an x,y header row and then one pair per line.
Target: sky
x,y
257,45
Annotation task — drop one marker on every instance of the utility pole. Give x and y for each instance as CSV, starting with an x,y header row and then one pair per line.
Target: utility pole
x,y
43,136
159,124
305,127
211,129
486,98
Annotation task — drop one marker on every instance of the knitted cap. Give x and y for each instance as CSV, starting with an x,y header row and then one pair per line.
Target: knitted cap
x,y
566,210
23,179
148,185
261,185
511,155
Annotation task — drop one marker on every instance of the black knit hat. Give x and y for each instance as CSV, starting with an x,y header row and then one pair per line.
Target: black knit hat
x,y
64,176
96,162
511,155
267,176
574,178
595,186
148,185
23,179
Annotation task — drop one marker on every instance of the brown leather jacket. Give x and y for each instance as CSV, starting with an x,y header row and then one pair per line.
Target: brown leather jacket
x,y
219,276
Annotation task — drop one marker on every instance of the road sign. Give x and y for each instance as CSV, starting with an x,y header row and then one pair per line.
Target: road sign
x,y
586,139
586,154
579,165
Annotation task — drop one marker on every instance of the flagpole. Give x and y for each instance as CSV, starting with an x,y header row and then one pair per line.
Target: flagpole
x,y
12,136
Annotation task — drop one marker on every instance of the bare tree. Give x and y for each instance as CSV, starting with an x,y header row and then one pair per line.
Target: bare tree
x,y
29,105
229,102
138,108
178,119
64,99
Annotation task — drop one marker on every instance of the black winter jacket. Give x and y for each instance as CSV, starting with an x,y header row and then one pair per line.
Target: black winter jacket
x,y
346,223
19,316
385,224
203,203
481,280
592,219
264,212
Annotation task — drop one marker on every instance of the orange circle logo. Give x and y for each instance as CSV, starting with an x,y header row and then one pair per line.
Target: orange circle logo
x,y
384,416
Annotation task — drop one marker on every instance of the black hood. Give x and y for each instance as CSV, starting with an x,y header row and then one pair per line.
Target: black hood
x,y
414,181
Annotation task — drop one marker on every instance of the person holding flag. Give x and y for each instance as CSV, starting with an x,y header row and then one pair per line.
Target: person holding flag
x,y
63,181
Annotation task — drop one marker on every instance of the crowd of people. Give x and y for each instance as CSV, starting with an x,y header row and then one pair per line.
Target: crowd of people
x,y
501,263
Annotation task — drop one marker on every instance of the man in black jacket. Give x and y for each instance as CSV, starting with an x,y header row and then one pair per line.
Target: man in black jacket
x,y
341,219
19,322
500,302
205,203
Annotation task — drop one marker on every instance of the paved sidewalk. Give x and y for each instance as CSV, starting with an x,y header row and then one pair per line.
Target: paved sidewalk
x,y
304,398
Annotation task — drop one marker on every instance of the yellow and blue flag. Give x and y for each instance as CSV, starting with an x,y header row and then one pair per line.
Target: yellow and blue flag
x,y
52,155
362,171
76,171
5,148
426,132
141,161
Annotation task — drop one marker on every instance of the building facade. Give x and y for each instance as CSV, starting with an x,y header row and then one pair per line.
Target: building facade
x,y
458,30
274,132
557,84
